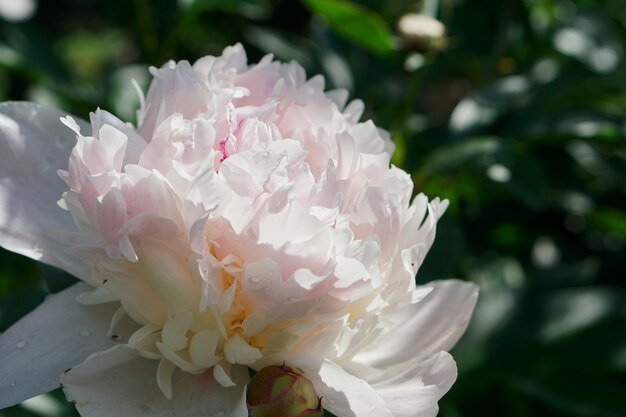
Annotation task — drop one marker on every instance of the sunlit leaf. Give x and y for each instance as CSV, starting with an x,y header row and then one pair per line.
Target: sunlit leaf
x,y
355,23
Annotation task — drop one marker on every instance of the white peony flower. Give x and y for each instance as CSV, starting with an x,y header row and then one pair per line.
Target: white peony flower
x,y
250,220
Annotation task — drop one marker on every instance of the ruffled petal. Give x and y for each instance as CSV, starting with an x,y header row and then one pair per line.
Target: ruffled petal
x,y
414,389
431,325
118,382
57,335
34,144
343,394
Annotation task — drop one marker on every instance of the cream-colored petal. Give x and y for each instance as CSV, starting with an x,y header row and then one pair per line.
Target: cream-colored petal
x,y
118,382
237,350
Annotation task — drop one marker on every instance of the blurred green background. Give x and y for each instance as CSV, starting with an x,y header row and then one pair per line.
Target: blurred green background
x,y
518,118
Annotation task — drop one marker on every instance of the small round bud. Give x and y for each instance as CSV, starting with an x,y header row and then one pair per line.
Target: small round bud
x,y
422,33
282,391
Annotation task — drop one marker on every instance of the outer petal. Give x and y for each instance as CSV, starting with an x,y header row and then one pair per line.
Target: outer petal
x,y
33,145
343,394
57,335
118,382
433,324
414,390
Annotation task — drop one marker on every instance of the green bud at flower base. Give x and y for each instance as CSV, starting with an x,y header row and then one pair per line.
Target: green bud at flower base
x,y
282,391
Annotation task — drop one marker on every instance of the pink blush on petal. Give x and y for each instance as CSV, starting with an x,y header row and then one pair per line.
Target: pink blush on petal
x,y
223,149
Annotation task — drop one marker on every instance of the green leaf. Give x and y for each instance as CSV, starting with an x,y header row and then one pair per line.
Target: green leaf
x,y
355,23
609,220
476,152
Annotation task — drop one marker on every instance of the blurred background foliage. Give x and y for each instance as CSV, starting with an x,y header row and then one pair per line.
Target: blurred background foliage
x,y
517,116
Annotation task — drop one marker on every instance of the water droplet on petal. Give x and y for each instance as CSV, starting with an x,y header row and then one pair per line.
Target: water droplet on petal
x,y
20,344
84,333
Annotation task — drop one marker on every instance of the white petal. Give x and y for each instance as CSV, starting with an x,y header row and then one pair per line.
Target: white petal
x,y
97,295
413,390
343,394
57,335
164,377
33,145
222,375
118,382
237,350
202,348
433,324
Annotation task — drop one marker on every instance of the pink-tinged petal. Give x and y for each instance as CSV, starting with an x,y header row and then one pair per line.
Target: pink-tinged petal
x,y
133,144
414,389
343,394
57,335
433,324
176,88
118,382
34,144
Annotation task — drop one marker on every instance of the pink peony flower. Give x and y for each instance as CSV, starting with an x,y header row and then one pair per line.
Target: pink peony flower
x,y
250,220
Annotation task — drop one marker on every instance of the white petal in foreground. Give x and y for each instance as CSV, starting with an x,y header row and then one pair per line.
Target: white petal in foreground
x,y
343,394
431,325
34,144
414,389
118,382
57,335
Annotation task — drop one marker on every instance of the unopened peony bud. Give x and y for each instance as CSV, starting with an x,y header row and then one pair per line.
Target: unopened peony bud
x,y
282,391
422,33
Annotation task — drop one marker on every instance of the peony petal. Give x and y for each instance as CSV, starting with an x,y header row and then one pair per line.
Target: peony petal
x,y
118,382
57,335
413,390
33,145
343,394
433,324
